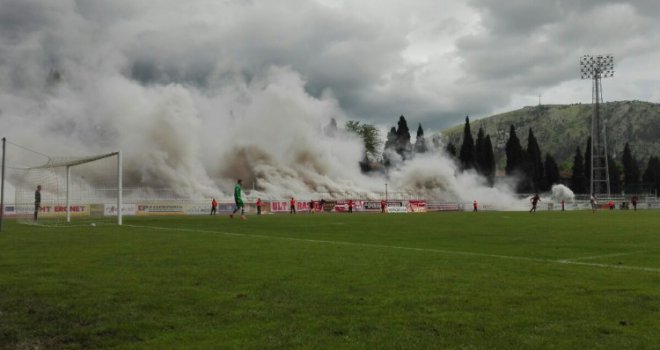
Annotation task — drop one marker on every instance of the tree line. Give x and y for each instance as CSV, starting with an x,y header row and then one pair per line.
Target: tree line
x,y
538,174
534,171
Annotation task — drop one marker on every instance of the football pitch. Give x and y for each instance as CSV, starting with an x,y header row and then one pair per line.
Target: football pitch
x,y
487,280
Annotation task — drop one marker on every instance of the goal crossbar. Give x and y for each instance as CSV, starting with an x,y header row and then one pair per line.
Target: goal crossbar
x,y
80,161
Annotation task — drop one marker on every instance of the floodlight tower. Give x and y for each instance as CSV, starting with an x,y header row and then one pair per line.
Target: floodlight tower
x,y
595,68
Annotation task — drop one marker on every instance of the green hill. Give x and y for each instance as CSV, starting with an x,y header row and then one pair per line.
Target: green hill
x,y
560,129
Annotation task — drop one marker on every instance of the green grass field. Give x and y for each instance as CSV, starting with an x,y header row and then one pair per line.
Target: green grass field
x,y
488,280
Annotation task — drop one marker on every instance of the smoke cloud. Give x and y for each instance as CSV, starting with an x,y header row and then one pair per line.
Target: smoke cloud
x,y
191,116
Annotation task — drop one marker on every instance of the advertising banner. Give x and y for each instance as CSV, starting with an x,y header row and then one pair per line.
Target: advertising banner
x,y
279,207
371,206
396,207
197,208
126,209
10,210
161,208
48,210
417,206
442,207
329,206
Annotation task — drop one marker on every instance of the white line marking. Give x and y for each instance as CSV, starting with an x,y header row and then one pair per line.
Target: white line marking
x,y
600,256
449,252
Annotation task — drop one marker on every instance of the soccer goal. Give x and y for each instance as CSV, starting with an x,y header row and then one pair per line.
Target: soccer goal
x,y
52,190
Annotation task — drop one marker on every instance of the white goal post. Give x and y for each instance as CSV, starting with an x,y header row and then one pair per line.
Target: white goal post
x,y
48,190
72,163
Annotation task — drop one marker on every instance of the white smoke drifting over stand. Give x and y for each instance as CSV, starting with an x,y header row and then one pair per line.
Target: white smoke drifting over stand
x,y
188,115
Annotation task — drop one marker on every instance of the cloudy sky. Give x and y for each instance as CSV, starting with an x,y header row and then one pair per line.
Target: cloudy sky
x,y
431,60
200,92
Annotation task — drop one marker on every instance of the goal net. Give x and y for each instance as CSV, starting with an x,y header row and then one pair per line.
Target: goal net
x,y
63,190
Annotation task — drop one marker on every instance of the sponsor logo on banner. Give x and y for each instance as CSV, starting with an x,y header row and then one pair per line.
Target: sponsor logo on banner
x,y
329,206
279,206
169,208
10,210
126,209
417,206
60,210
396,207
342,206
371,206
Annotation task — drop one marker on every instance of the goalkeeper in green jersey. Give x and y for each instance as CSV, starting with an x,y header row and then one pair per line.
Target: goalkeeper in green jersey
x,y
239,201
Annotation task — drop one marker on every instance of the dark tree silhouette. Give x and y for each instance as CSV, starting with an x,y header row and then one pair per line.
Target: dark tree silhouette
x,y
578,180
533,163
630,167
420,142
514,153
551,173
652,173
489,161
615,176
467,154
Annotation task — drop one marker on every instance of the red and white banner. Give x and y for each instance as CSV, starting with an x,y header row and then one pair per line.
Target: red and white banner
x,y
417,206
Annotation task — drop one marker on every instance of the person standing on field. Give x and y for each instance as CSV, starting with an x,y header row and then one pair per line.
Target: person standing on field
x,y
238,200
258,206
634,202
350,205
474,206
214,206
37,202
382,205
594,203
534,201
292,203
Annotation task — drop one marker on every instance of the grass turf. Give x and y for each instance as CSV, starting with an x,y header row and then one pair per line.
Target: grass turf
x,y
362,281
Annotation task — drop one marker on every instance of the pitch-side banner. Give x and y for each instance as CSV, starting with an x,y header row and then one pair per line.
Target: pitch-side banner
x,y
417,206
10,210
397,207
160,208
47,210
285,206
126,209
371,206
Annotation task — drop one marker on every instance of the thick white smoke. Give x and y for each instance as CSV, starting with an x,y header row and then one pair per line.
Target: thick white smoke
x,y
70,85
562,193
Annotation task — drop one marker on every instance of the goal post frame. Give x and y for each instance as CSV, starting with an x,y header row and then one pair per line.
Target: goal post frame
x,y
119,183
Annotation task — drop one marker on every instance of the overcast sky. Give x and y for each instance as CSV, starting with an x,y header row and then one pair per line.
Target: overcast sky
x,y
433,61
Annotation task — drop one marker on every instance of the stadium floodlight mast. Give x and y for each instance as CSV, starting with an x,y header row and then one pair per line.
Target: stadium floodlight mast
x,y
596,68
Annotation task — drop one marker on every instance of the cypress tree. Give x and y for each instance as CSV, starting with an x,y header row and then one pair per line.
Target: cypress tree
x,y
479,152
420,142
652,173
578,181
489,161
514,153
534,163
390,144
467,156
403,146
630,167
615,176
551,173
